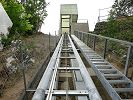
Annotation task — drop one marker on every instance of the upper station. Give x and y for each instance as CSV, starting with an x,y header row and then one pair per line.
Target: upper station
x,y
69,19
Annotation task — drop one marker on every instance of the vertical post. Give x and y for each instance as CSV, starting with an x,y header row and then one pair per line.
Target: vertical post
x,y
25,88
99,16
77,34
82,37
87,39
55,39
94,43
91,41
49,45
105,49
127,60
23,72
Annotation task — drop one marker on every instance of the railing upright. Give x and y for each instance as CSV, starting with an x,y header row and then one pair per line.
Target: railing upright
x,y
94,42
83,38
127,60
87,39
105,48
80,35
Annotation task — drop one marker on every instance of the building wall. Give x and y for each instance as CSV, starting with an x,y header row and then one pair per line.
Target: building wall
x,y
68,15
79,27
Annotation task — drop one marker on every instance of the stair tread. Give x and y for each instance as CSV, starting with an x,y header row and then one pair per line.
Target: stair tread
x,y
123,89
118,81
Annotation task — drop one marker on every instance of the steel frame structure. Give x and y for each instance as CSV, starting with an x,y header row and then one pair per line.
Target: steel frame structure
x,y
112,79
48,86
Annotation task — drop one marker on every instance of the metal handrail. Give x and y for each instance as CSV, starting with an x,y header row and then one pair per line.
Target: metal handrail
x,y
108,38
126,43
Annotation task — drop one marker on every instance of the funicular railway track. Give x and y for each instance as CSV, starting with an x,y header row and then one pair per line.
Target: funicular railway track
x,y
66,77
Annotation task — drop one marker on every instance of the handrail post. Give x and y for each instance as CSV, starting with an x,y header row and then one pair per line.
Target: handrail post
x,y
87,39
83,37
105,48
80,35
77,34
55,39
49,45
94,43
91,44
127,60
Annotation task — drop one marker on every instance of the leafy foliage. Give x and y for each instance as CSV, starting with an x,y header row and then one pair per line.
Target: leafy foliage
x,y
120,21
123,8
6,41
36,8
27,17
17,14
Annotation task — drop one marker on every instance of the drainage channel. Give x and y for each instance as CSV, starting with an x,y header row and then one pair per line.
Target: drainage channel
x,y
66,77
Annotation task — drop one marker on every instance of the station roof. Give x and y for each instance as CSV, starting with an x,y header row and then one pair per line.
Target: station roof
x,y
69,9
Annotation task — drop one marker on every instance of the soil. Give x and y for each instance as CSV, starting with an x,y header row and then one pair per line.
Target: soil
x,y
40,50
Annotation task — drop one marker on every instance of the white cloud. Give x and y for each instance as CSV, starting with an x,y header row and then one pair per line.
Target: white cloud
x,y
87,9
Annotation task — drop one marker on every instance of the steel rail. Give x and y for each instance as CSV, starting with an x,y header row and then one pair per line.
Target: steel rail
x,y
93,93
42,87
52,83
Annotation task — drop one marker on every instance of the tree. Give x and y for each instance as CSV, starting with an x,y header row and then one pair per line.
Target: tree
x,y
37,9
19,17
120,21
123,8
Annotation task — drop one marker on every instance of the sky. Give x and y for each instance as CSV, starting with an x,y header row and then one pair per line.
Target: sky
x,y
87,9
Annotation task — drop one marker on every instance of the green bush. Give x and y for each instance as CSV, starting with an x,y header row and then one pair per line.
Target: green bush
x,y
17,14
5,40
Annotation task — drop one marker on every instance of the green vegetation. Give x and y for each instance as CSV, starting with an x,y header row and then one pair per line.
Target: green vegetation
x,y
120,21
36,8
27,17
119,25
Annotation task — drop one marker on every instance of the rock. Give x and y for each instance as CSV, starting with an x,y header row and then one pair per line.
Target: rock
x,y
9,60
12,68
32,60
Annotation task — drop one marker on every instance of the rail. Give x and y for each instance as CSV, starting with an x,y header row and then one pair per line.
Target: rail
x,y
66,64
40,91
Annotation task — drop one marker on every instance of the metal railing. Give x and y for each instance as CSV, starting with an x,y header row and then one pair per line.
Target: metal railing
x,y
90,38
